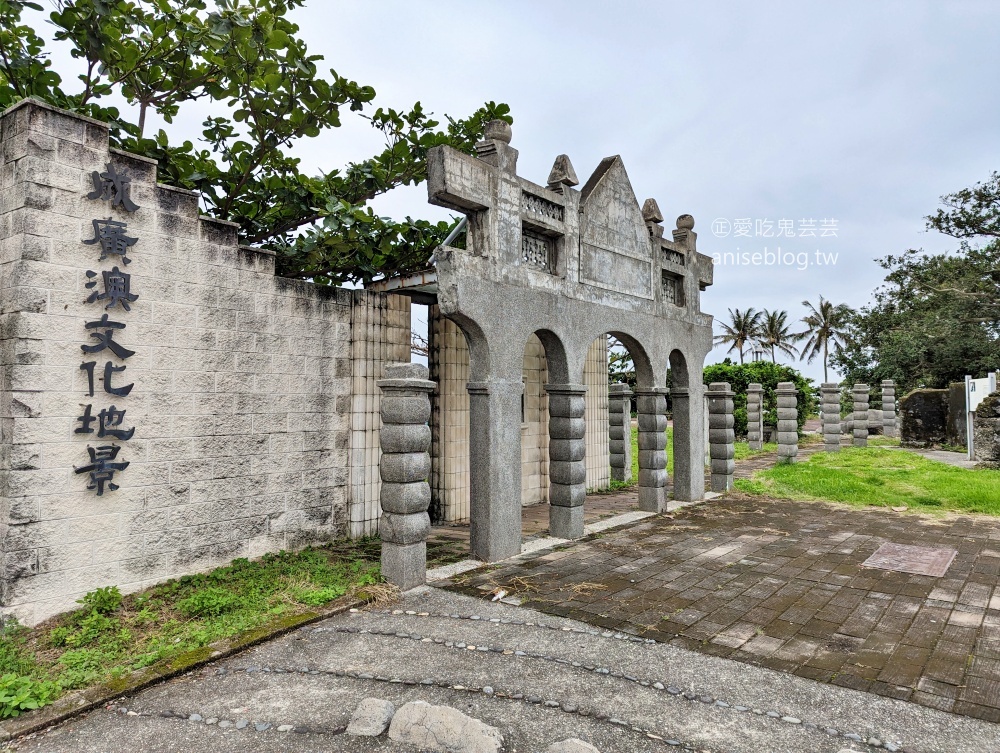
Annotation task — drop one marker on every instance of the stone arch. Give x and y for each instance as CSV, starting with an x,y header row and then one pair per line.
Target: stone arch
x,y
479,347
645,377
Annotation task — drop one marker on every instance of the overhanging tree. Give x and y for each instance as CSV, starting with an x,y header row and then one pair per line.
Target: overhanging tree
x,y
937,316
160,55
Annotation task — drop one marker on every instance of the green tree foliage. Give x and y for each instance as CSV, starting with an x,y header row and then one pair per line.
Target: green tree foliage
x,y
775,333
935,319
270,95
742,329
826,330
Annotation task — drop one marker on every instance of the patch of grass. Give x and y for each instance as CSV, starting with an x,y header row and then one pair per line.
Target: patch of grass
x,y
879,441
742,451
881,477
112,635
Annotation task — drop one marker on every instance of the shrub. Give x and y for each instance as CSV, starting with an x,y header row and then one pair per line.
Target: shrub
x,y
768,375
103,600
19,694
208,602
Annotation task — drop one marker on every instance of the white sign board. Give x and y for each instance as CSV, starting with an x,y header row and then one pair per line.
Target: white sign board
x,y
976,390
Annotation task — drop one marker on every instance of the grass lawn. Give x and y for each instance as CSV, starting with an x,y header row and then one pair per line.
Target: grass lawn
x,y
882,477
112,635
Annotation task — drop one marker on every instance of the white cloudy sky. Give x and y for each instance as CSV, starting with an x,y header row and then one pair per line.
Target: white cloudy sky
x,y
859,112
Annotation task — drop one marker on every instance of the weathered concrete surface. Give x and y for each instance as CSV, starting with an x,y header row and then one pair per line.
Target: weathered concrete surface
x,y
404,648
569,266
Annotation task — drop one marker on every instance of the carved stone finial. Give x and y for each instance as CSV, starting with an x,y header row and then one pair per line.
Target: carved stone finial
x,y
562,173
685,222
498,130
651,211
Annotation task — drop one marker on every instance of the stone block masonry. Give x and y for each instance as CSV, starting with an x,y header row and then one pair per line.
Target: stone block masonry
x,y
788,425
859,424
243,383
721,435
755,416
404,467
830,410
620,431
889,423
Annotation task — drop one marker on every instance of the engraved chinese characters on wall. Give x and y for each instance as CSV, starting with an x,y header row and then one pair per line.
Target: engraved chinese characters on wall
x,y
101,419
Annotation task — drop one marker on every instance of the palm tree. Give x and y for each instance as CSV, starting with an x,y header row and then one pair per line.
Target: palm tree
x,y
742,329
775,332
826,325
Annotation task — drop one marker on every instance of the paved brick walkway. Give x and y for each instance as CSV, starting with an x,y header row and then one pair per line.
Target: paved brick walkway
x,y
780,584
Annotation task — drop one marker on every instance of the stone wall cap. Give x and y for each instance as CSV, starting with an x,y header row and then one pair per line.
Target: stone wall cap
x,y
654,391
619,388
140,158
421,385
52,108
786,387
755,387
264,251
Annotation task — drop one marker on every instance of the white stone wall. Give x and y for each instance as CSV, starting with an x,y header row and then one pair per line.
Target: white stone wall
x,y
595,377
449,364
535,426
242,399
380,334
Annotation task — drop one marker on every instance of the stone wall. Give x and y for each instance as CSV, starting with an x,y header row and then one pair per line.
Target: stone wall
x,y
956,429
923,416
242,401
986,432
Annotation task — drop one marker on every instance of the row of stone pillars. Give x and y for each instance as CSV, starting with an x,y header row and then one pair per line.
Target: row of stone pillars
x,y
405,463
861,426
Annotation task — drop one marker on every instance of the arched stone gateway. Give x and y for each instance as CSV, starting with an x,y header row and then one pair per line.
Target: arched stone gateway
x,y
567,266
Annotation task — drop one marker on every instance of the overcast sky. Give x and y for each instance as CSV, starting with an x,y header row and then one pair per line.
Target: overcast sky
x,y
861,114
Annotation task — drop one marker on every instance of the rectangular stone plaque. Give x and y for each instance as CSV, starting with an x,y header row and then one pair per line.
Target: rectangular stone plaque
x,y
919,560
614,271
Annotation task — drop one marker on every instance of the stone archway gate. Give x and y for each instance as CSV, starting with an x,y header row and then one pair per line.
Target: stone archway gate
x,y
567,265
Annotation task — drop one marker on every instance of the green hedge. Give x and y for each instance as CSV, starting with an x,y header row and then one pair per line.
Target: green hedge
x,y
768,374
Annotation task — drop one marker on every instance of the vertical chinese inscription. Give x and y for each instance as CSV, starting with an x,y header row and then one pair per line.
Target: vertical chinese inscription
x,y
113,288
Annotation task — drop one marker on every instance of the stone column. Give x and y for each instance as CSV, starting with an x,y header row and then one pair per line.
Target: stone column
x,y
495,468
652,409
690,457
721,435
788,423
860,417
404,467
830,408
755,415
889,408
567,466
620,431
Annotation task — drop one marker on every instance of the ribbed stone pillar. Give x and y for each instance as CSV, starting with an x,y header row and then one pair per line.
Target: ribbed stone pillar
x,y
620,431
721,435
567,466
755,415
830,414
652,410
788,423
860,417
404,467
889,425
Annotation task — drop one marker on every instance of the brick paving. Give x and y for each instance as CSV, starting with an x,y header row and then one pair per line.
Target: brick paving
x,y
779,584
